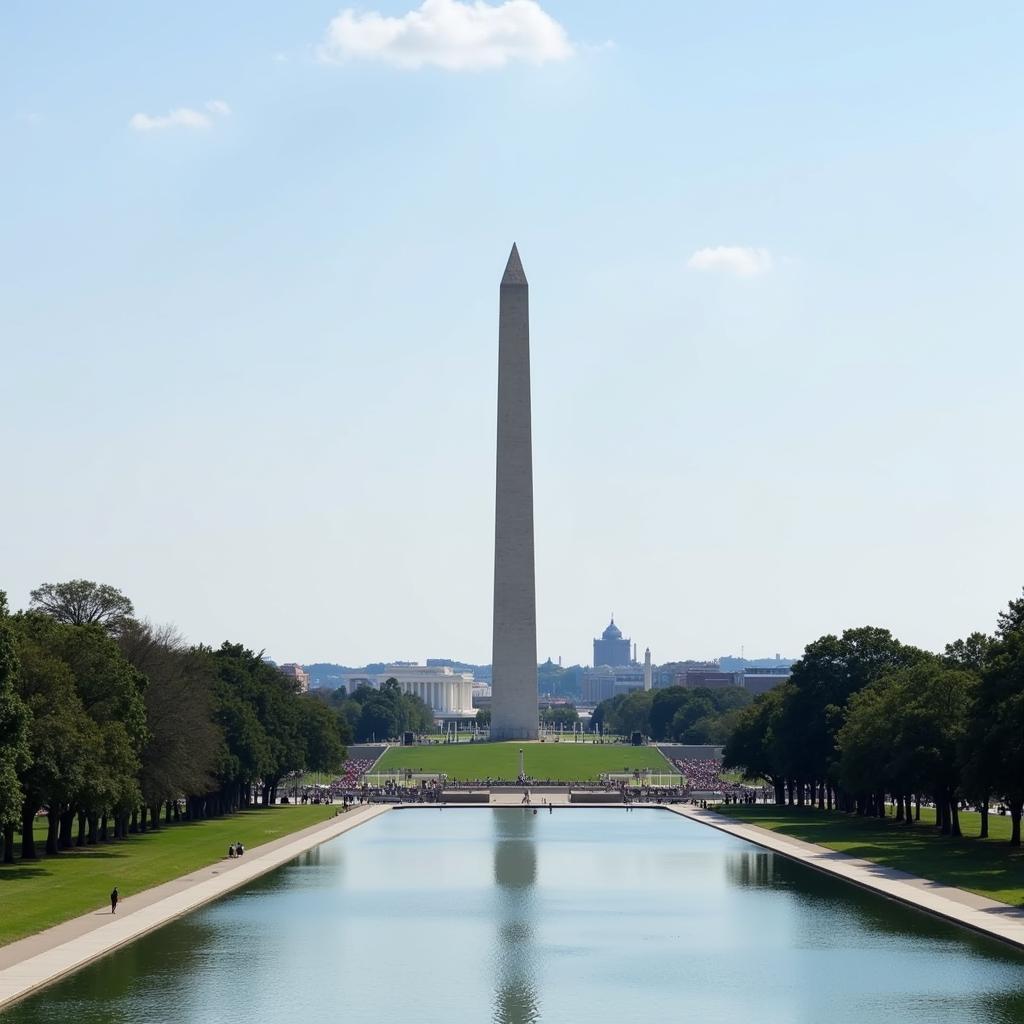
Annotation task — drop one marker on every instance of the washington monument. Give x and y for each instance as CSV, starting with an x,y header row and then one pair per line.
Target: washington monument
x,y
514,659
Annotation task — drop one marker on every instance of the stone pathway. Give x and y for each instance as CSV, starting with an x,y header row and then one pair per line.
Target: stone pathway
x,y
979,913
35,961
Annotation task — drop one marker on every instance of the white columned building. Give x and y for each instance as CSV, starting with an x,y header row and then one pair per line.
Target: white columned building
x,y
448,693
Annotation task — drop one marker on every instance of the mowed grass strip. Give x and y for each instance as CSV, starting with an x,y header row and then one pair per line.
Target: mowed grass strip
x,y
988,867
38,894
562,762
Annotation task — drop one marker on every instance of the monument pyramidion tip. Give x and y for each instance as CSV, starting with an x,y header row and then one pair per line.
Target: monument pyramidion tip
x,y
514,273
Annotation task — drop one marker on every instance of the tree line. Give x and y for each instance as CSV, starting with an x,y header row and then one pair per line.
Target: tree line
x,y
108,722
374,715
675,713
866,724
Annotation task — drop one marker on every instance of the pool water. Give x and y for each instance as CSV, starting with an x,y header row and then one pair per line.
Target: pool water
x,y
581,915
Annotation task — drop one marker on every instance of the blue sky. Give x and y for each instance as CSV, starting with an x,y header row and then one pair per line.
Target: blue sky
x,y
249,350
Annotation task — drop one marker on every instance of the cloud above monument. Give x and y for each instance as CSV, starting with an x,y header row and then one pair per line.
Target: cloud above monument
x,y
738,260
181,117
453,35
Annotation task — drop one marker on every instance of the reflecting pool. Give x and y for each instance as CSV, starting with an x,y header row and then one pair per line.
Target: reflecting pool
x,y
581,915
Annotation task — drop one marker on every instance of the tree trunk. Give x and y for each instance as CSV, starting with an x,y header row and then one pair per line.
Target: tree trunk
x,y
28,842
82,819
898,801
983,834
67,824
93,827
52,827
1015,809
104,833
917,807
9,843
954,818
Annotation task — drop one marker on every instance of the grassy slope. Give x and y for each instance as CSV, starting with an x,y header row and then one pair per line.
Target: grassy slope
x,y
987,867
566,761
36,895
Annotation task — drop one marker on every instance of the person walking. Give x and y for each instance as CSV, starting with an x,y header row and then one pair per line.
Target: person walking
x,y
114,897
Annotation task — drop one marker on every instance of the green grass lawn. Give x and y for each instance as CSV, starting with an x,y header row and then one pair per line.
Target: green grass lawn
x,y
565,761
985,866
37,894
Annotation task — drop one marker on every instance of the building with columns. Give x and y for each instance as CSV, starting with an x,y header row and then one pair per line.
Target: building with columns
x,y
449,694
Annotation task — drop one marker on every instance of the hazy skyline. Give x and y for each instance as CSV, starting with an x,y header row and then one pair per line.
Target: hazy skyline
x,y
248,318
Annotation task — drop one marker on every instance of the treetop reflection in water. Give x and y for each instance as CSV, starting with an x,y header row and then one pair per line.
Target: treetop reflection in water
x,y
589,915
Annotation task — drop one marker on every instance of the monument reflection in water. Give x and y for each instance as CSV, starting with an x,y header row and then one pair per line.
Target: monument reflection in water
x,y
515,877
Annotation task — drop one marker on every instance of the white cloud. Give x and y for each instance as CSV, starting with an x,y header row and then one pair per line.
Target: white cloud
x,y
180,117
741,260
457,35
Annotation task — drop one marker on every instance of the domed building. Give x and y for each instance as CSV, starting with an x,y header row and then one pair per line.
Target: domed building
x,y
612,649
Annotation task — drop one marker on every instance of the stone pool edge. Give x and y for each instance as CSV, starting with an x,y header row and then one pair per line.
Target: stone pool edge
x,y
969,910
48,956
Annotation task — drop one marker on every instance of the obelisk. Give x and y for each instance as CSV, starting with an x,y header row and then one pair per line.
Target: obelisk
x,y
514,657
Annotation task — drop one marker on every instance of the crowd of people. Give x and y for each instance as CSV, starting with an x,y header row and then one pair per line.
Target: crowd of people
x,y
706,777
700,779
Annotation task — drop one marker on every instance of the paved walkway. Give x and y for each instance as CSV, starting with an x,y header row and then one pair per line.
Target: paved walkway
x,y
979,913
30,963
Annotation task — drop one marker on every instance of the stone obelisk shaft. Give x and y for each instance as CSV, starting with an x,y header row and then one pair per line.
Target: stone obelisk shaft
x,y
514,665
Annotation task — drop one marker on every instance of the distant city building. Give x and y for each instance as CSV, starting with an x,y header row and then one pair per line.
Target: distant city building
x,y
761,680
598,684
298,673
671,673
449,694
711,680
730,663
612,649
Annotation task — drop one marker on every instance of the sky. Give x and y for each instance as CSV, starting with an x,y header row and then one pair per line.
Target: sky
x,y
249,266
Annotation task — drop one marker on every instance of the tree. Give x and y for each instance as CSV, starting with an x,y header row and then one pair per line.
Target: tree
x,y
14,748
183,742
814,705
247,678
564,717
904,734
111,694
664,706
698,708
997,720
83,603
60,733
751,746
379,719
321,734
633,714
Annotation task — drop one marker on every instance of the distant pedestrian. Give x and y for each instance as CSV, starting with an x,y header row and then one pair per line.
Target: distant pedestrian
x,y
114,897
